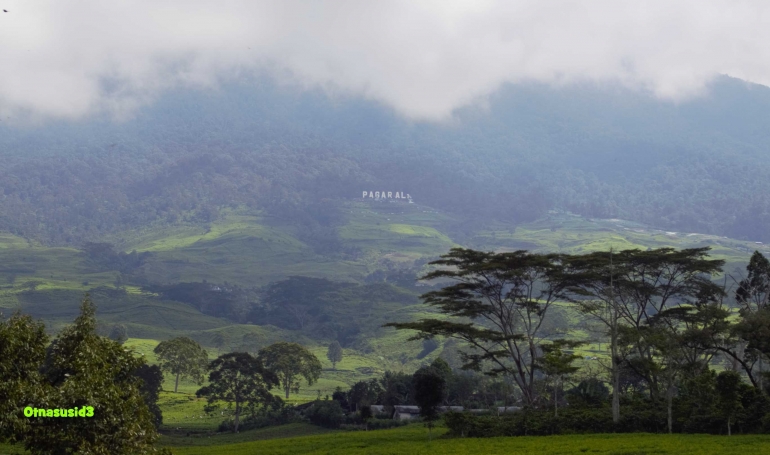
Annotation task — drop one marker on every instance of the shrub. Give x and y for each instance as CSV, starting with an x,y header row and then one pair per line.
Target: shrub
x,y
326,413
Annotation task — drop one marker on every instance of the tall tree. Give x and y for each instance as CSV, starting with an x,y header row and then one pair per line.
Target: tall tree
x,y
152,384
753,296
624,291
290,362
182,357
729,396
334,353
397,389
557,365
364,393
84,369
240,380
506,297
430,388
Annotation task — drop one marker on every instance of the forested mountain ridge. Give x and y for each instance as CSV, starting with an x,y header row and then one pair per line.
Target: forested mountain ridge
x,y
605,152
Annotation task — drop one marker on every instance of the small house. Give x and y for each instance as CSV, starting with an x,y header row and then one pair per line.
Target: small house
x,y
406,412
377,409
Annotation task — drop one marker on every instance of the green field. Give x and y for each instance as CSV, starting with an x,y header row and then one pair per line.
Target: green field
x,y
413,439
250,250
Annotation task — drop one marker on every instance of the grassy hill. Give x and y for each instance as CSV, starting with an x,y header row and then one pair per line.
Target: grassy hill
x,y
252,250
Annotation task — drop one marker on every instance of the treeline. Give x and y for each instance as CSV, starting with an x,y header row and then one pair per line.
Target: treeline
x,y
666,323
82,392
317,307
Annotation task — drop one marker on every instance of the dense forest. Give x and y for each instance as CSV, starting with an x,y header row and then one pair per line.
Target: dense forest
x,y
697,166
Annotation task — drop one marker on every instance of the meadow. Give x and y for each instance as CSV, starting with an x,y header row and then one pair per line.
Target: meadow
x,y
300,438
413,439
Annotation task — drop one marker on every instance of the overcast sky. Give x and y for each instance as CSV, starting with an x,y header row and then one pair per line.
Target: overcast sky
x,y
75,58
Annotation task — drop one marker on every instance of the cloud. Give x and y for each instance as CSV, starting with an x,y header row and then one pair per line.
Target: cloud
x,y
425,59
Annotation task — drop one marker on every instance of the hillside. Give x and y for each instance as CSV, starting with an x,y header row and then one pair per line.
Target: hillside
x,y
353,297
601,152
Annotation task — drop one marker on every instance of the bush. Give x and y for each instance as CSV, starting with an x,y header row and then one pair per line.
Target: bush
x,y
326,413
263,417
374,425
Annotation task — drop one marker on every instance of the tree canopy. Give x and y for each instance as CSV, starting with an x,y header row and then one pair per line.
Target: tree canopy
x,y
334,353
290,362
240,380
182,357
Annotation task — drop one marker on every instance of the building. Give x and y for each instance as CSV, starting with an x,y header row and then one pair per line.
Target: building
x,y
406,412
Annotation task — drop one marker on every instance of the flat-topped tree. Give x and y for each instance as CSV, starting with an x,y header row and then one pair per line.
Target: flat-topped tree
x,y
628,290
499,302
290,362
184,358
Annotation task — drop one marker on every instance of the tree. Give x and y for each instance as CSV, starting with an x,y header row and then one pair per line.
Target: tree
x,y
240,380
624,291
366,414
430,388
506,296
753,292
341,397
753,296
397,389
326,413
557,364
119,333
182,357
334,353
289,362
364,393
729,397
22,350
83,369
152,384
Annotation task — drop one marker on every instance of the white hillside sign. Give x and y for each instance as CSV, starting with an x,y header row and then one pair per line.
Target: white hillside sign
x,y
386,195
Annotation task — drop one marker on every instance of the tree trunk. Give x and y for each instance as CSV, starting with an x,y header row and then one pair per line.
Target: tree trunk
x,y
176,384
615,377
334,366
237,416
614,349
287,392
555,401
729,431
669,401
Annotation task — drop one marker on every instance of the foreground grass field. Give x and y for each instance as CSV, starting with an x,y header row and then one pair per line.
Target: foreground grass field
x,y
413,439
307,439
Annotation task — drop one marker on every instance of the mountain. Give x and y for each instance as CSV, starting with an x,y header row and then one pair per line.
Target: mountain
x,y
603,152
